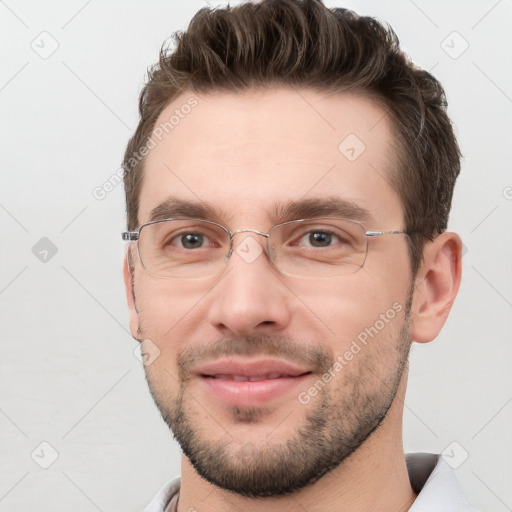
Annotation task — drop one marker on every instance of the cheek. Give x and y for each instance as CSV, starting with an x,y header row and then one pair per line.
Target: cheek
x,y
166,309
359,307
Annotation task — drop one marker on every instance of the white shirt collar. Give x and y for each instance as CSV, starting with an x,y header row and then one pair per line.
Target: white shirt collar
x,y
441,492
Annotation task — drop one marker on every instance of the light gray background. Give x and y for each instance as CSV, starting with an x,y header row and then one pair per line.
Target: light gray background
x,y
69,376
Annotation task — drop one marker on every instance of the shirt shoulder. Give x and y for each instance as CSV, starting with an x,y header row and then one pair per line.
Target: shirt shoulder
x,y
163,500
436,483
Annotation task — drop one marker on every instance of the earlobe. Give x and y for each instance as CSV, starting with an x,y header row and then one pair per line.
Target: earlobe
x,y
129,283
436,286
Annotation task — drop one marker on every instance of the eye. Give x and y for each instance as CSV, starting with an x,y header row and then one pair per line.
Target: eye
x,y
189,240
320,238
184,238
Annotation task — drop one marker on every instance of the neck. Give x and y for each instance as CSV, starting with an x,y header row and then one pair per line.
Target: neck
x,y
374,477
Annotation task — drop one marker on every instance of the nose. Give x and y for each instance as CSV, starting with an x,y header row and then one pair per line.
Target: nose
x,y
250,296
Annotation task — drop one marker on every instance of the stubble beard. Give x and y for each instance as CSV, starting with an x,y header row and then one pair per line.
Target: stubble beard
x,y
340,421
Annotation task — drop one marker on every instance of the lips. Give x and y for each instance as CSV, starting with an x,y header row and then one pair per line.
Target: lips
x,y
257,369
245,378
250,382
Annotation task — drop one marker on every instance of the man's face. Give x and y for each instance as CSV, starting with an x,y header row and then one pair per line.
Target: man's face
x,y
300,414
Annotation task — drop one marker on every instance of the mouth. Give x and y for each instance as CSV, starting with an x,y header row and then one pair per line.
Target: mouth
x,y
246,378
251,382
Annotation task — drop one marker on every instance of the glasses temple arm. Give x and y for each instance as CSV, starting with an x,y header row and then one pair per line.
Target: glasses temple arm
x,y
130,236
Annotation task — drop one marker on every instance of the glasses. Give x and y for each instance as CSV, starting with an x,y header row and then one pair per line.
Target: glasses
x,y
195,248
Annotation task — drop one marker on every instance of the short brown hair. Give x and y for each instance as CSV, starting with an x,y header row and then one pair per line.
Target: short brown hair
x,y
302,43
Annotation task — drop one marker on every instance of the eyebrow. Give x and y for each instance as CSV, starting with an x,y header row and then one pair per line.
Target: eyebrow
x,y
175,207
330,206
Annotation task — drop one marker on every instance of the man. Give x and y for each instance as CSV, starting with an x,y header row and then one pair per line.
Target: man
x,y
288,190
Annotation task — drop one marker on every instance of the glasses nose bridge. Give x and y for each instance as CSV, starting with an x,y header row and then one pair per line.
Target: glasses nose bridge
x,y
243,230
247,230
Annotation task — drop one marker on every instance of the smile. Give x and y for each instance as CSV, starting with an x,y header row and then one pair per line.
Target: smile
x,y
251,382
245,378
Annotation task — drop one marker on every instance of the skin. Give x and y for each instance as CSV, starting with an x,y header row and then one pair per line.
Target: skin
x,y
241,154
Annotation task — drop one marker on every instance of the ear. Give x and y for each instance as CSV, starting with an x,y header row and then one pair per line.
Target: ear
x,y
129,283
436,286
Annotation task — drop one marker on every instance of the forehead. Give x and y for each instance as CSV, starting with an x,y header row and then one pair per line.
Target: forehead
x,y
243,154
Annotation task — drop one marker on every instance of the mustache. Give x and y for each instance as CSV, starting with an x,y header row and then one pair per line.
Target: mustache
x,y
283,347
